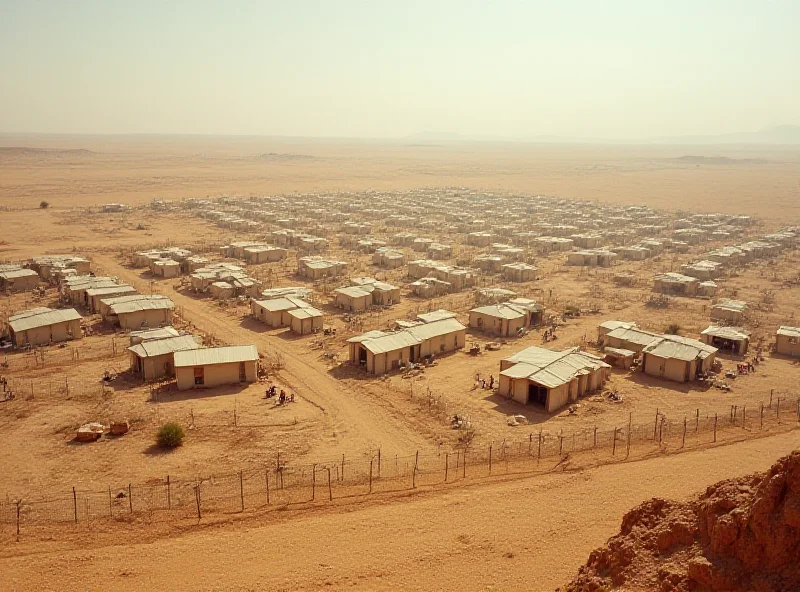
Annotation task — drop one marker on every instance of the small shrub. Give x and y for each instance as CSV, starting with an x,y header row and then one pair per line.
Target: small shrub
x,y
44,204
170,435
673,329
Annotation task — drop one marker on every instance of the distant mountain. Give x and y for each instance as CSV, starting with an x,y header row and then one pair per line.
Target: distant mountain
x,y
778,135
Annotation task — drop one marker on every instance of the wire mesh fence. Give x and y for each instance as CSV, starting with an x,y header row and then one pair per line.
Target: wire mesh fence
x,y
279,483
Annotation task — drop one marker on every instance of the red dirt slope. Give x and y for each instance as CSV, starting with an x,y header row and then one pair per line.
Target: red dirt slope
x,y
740,535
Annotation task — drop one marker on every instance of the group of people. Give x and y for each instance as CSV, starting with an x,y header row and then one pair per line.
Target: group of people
x,y
549,334
272,391
482,383
745,367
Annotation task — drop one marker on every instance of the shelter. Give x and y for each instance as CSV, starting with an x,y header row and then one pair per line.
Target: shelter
x,y
95,295
675,284
677,358
275,312
732,311
551,379
166,268
506,319
787,341
734,340
619,358
40,326
607,327
153,358
18,280
518,272
137,311
352,298
379,351
221,290
305,320
215,366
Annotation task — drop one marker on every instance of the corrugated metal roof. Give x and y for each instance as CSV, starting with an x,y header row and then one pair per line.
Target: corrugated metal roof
x,y
41,317
732,333
552,368
436,328
391,342
136,302
634,335
122,288
160,333
305,313
166,345
216,355
500,311
280,304
614,325
789,331
436,315
355,291
17,273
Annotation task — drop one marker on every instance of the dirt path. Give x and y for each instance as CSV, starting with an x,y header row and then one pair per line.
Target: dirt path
x,y
356,423
528,534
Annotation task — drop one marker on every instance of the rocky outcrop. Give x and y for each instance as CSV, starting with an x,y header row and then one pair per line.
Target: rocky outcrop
x,y
741,535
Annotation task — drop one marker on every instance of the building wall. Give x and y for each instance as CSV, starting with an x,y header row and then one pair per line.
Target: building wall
x,y
668,368
215,375
50,333
152,317
20,284
557,397
305,326
154,367
784,346
352,304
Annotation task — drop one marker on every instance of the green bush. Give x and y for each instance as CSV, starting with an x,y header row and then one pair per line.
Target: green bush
x,y
170,435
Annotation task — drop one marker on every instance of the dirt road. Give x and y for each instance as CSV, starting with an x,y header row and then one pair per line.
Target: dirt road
x,y
356,423
529,534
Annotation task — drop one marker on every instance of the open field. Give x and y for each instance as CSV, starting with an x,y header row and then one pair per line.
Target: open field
x,y
340,411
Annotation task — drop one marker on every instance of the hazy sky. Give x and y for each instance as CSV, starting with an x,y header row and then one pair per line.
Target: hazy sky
x,y
375,68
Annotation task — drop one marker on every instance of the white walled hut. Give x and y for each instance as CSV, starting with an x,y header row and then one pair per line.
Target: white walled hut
x,y
275,312
518,272
154,358
138,311
41,326
550,379
216,366
303,321
787,341
731,311
732,340
18,280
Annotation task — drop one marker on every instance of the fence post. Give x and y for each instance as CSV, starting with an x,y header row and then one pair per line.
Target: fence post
x,y
744,417
75,504
696,420
330,491
594,445
614,445
778,410
490,458
683,441
241,489
770,397
379,462
414,472
342,478
446,465
715,427
370,475
761,416
130,497
266,476
313,482
169,494
655,426
539,453
464,465
110,506
197,499
530,442
19,502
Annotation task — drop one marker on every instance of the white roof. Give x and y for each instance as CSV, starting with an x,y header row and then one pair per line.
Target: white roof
x,y
137,302
789,331
501,311
41,317
216,355
305,313
165,345
613,325
354,291
279,304
379,342
732,333
551,368
17,273
436,315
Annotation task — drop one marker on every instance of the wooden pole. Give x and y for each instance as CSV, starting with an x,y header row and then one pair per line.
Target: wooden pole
x,y
446,465
594,445
330,491
683,441
696,420
778,410
614,445
379,462
130,497
761,416
655,426
370,475
342,478
266,476
197,499
744,417
75,504
715,427
110,505
19,502
169,494
414,472
241,489
539,453
490,458
464,465
313,482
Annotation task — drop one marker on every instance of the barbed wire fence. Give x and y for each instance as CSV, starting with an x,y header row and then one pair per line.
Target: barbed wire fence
x,y
279,484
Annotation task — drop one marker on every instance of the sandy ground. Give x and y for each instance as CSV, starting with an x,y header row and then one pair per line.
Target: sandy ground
x,y
524,534
493,538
